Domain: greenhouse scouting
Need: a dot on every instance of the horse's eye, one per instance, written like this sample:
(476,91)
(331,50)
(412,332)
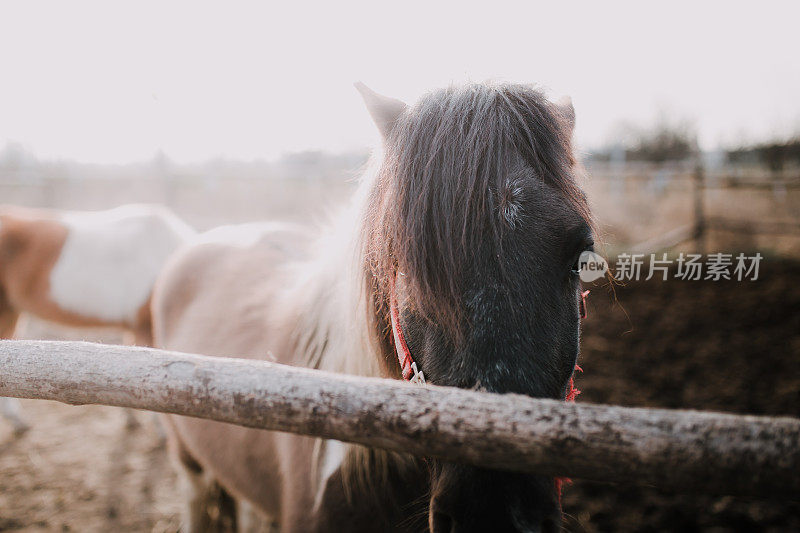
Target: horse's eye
(576,264)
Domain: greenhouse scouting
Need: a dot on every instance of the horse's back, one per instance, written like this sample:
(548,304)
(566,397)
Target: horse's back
(214,295)
(30,244)
(87,268)
(110,259)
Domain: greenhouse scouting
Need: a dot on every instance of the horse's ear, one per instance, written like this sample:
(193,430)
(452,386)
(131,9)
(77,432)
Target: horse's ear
(564,105)
(384,110)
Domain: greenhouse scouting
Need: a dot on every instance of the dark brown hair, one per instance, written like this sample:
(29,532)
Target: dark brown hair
(442,189)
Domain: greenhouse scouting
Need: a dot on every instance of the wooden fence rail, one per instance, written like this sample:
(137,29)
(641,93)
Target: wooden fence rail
(679,450)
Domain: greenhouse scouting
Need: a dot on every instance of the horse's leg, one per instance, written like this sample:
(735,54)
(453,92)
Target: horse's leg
(131,422)
(130,414)
(197,488)
(202,495)
(140,335)
(251,520)
(10,408)
(8,319)
(158,428)
(12,411)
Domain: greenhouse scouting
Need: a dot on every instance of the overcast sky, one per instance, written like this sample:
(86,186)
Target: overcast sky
(98,82)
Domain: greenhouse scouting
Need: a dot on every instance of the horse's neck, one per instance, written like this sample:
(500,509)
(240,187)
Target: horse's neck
(332,331)
(335,336)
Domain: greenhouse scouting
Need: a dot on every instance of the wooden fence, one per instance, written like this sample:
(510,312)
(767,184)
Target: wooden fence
(686,451)
(701,222)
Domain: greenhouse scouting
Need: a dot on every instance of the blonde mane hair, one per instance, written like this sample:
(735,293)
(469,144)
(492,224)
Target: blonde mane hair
(329,297)
(337,327)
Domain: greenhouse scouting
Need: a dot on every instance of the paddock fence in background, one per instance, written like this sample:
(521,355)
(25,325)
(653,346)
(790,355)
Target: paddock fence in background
(653,208)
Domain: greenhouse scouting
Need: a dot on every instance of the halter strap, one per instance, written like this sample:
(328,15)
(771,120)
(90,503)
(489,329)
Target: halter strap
(582,306)
(407,364)
(572,393)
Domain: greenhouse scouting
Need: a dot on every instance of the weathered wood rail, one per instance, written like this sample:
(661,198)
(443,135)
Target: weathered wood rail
(678,450)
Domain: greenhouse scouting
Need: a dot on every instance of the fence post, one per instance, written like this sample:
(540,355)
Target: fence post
(699,210)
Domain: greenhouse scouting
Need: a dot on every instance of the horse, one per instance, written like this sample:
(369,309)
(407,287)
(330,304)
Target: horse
(455,264)
(83,269)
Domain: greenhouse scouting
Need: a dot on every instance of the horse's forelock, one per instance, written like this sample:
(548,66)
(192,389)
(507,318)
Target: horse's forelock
(443,187)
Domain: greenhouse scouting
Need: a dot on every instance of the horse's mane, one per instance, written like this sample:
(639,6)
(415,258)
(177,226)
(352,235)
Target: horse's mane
(335,332)
(452,166)
(329,301)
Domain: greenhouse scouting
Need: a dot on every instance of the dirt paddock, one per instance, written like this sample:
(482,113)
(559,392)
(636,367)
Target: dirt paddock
(727,346)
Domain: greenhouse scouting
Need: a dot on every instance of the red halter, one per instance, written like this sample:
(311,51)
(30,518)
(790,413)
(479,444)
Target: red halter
(582,305)
(407,365)
(572,393)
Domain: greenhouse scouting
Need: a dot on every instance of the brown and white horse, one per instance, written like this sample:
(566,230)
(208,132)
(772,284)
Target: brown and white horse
(83,269)
(461,247)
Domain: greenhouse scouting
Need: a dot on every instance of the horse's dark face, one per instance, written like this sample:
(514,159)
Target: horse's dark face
(521,335)
(478,212)
(519,324)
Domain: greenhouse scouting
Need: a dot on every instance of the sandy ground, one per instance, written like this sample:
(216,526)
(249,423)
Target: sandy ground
(80,469)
